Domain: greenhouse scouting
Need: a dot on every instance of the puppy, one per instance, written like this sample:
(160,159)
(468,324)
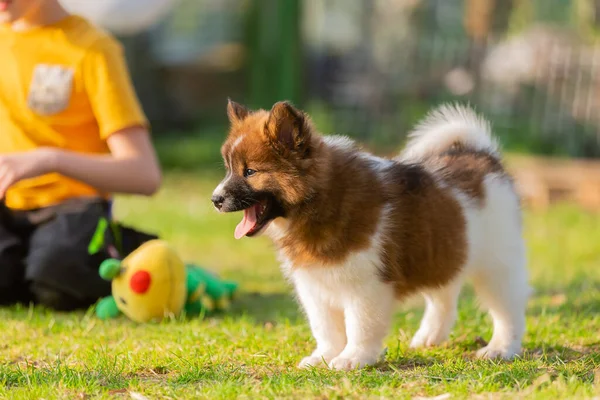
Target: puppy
(356,232)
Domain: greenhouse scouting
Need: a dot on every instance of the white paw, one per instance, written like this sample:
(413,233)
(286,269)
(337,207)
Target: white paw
(419,340)
(426,339)
(342,363)
(311,361)
(491,352)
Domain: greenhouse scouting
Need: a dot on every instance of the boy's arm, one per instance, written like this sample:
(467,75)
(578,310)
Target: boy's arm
(131,167)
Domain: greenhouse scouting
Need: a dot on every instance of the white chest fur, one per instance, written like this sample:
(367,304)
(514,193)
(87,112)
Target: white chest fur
(338,284)
(348,306)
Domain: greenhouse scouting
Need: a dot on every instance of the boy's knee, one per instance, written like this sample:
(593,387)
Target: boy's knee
(55,298)
(45,260)
(62,279)
(48,269)
(58,265)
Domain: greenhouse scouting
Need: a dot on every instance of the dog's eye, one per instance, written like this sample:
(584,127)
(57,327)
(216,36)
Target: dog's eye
(249,172)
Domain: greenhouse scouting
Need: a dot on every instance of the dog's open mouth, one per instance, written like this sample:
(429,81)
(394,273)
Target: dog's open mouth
(255,219)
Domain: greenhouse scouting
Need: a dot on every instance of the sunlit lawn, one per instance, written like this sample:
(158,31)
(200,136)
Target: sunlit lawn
(252,350)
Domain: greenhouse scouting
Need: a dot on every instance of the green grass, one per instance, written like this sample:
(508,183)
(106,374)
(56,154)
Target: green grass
(251,351)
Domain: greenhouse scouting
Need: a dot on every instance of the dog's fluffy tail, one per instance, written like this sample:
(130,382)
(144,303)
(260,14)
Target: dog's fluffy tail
(446,126)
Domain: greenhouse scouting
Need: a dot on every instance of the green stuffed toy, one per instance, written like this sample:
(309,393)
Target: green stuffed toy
(206,291)
(152,283)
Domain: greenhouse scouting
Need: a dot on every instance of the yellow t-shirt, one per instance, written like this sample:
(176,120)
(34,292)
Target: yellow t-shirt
(65,85)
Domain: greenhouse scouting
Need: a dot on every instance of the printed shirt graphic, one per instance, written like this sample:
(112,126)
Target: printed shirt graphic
(66,86)
(50,89)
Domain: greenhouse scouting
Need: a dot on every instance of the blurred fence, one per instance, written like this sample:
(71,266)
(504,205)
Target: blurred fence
(372,68)
(540,96)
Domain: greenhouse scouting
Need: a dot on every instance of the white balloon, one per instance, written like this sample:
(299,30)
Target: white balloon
(122,17)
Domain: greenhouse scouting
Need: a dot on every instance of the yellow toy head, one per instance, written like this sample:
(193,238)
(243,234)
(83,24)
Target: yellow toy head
(149,284)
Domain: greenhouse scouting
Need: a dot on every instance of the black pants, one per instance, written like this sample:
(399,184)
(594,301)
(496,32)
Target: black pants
(44,254)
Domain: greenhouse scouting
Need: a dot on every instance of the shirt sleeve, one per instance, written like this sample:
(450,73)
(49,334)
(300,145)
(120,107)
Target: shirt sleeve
(110,90)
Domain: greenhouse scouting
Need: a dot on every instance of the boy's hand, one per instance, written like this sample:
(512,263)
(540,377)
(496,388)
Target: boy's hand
(18,166)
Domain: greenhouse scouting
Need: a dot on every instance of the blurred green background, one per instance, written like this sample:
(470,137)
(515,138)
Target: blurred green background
(371,69)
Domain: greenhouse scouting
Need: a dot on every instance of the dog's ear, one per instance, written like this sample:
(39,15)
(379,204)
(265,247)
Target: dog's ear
(287,128)
(236,112)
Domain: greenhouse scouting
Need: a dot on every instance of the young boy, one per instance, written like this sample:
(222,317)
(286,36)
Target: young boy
(71,133)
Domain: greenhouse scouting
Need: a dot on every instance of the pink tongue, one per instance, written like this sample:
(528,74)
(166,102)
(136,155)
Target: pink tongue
(247,223)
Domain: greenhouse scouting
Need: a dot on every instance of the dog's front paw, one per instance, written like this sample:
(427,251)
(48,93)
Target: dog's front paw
(491,352)
(311,361)
(350,362)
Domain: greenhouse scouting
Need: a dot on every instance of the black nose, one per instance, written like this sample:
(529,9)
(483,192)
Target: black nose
(218,201)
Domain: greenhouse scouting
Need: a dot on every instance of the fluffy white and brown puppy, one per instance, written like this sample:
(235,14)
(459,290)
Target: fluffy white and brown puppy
(355,232)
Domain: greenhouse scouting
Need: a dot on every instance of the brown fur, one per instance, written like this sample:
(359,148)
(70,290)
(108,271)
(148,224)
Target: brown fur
(333,197)
(340,218)
(278,171)
(465,169)
(426,243)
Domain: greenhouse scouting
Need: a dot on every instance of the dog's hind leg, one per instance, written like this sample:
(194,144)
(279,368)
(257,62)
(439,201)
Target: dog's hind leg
(501,282)
(440,315)
(504,294)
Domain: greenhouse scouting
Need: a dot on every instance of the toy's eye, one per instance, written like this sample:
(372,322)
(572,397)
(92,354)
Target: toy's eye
(122,300)
(140,282)
(249,172)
